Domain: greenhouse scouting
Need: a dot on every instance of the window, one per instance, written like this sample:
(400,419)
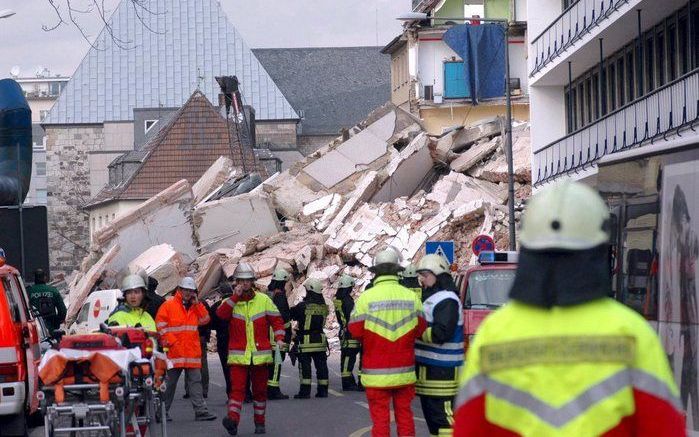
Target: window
(595,96)
(83,314)
(588,100)
(148,125)
(648,60)
(660,58)
(41,196)
(41,169)
(43,114)
(630,76)
(672,51)
(621,100)
(14,298)
(683,40)
(612,86)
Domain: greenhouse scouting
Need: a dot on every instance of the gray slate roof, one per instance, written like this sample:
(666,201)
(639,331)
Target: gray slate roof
(161,67)
(335,87)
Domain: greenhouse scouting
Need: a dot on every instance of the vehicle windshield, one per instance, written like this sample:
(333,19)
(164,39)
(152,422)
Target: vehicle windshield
(489,288)
(83,314)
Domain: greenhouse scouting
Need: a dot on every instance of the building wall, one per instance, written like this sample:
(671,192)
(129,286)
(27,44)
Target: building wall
(118,139)
(37,187)
(68,175)
(39,107)
(308,144)
(548,117)
(104,214)
(400,77)
(436,120)
(276,132)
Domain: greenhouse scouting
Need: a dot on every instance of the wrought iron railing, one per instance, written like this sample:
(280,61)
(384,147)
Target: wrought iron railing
(574,23)
(667,110)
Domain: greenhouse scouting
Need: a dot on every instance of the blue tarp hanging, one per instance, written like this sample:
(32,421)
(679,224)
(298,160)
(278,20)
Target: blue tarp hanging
(482,47)
(15,137)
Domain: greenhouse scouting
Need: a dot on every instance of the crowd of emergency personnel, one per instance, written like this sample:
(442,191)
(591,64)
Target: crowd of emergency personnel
(561,358)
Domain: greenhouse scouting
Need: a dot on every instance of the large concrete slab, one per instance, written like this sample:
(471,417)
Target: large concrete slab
(214,177)
(84,285)
(331,169)
(406,178)
(164,264)
(223,223)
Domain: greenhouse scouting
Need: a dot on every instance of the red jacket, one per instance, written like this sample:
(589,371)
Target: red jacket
(179,331)
(251,314)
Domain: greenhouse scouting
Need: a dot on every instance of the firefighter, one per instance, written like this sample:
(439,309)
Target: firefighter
(408,279)
(561,358)
(387,319)
(349,347)
(313,345)
(278,289)
(439,353)
(178,322)
(132,311)
(250,314)
(153,299)
(47,301)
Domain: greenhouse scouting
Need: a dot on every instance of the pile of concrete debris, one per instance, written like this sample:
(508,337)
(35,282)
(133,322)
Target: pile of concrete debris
(384,182)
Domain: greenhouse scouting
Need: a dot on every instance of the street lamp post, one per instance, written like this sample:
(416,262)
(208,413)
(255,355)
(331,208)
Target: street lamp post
(420,16)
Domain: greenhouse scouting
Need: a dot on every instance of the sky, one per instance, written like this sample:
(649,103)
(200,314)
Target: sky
(263,24)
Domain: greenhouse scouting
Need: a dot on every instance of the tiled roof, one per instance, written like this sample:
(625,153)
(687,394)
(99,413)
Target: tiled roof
(335,87)
(180,46)
(184,149)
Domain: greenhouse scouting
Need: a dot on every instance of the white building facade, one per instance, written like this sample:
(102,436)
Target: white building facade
(614,93)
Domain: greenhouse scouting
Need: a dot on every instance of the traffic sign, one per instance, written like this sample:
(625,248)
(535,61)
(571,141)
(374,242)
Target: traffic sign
(443,248)
(482,243)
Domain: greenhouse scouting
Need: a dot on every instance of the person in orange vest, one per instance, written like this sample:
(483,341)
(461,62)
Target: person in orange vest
(250,314)
(178,322)
(387,319)
(561,358)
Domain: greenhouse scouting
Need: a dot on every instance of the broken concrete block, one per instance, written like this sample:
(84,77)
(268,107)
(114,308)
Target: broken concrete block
(164,218)
(223,223)
(303,258)
(264,267)
(364,190)
(209,274)
(262,283)
(163,263)
(214,177)
(330,212)
(477,153)
(318,205)
(406,171)
(87,281)
(229,268)
(463,138)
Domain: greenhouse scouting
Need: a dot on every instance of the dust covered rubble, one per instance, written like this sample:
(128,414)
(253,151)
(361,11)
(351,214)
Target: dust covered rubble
(385,182)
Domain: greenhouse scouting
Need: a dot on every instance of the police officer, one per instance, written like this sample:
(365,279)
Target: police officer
(408,279)
(47,301)
(313,345)
(132,311)
(561,358)
(439,353)
(278,289)
(349,347)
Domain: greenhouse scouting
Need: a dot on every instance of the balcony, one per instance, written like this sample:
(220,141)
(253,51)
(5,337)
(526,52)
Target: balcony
(662,113)
(579,19)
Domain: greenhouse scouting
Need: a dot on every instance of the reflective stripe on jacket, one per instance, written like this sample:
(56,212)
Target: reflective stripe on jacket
(132,317)
(447,354)
(343,311)
(250,320)
(592,369)
(387,319)
(179,331)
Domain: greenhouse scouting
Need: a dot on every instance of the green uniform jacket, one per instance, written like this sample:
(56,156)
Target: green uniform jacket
(49,303)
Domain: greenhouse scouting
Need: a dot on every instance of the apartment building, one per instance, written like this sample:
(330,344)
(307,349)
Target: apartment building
(614,90)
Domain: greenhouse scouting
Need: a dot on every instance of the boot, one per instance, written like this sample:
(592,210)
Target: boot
(204,417)
(274,394)
(260,429)
(304,392)
(230,426)
(348,384)
(322,391)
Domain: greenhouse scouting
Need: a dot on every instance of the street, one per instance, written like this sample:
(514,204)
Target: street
(340,415)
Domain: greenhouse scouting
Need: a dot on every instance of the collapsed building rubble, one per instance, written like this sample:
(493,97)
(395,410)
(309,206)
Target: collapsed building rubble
(386,182)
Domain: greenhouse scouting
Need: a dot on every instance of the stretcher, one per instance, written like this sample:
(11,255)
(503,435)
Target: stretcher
(109,383)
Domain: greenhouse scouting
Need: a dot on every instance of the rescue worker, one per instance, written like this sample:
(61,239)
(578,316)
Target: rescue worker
(47,301)
(313,345)
(153,299)
(387,319)
(178,322)
(221,328)
(561,358)
(278,289)
(408,279)
(204,337)
(250,314)
(439,353)
(132,311)
(349,347)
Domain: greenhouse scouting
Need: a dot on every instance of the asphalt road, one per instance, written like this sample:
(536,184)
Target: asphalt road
(339,415)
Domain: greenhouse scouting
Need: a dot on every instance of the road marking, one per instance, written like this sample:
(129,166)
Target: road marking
(334,393)
(216,384)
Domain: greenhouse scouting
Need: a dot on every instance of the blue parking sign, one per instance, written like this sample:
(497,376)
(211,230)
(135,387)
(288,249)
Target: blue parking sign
(444,248)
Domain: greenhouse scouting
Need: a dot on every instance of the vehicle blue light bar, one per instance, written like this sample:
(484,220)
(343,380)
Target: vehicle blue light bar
(490,257)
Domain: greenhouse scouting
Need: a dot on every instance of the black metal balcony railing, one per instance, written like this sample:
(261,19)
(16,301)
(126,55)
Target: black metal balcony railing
(575,22)
(668,109)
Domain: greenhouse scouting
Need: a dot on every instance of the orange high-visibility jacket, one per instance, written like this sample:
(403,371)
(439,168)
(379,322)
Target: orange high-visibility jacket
(178,329)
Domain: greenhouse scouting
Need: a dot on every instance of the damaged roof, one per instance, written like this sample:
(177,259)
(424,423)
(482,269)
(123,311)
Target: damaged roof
(155,56)
(332,87)
(185,148)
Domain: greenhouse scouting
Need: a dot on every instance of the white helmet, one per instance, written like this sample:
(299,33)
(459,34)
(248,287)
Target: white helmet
(388,257)
(436,264)
(132,282)
(410,271)
(314,285)
(244,271)
(188,283)
(568,216)
(281,275)
(346,281)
